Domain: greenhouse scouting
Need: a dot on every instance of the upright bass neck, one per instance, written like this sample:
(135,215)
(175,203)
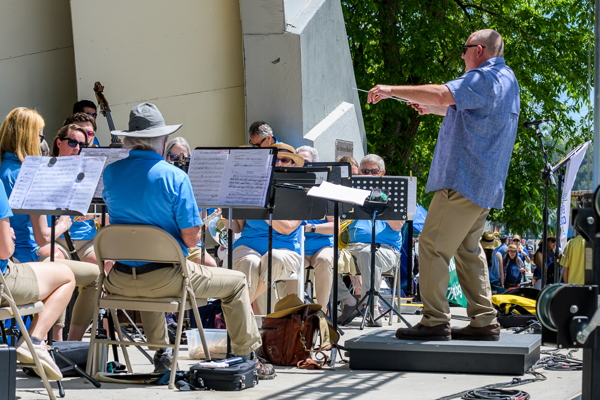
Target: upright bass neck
(105,110)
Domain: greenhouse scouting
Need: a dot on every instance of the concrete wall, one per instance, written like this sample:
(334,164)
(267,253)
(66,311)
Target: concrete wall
(185,56)
(299,76)
(37,67)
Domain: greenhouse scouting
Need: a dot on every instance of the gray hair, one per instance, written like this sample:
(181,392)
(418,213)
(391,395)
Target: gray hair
(313,152)
(144,143)
(373,158)
(260,128)
(180,141)
(492,40)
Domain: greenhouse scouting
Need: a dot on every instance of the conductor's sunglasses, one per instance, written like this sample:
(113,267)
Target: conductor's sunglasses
(74,143)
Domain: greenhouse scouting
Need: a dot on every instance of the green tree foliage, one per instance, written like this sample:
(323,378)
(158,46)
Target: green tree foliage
(548,44)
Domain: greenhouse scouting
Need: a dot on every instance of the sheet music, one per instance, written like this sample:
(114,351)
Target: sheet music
(111,154)
(206,172)
(230,177)
(52,183)
(341,193)
(27,172)
(56,183)
(81,197)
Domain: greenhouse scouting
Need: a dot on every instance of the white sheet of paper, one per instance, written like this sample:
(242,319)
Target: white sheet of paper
(330,191)
(52,184)
(236,177)
(112,154)
(84,189)
(19,193)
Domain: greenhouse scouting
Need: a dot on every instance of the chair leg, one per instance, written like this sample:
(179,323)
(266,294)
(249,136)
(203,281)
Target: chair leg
(200,328)
(113,314)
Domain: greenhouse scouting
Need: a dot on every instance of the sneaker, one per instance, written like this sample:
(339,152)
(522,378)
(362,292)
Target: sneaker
(163,360)
(348,314)
(264,370)
(52,370)
(378,323)
(421,332)
(485,333)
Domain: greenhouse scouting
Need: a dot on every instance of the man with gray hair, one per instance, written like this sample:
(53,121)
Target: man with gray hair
(310,154)
(145,189)
(261,135)
(468,175)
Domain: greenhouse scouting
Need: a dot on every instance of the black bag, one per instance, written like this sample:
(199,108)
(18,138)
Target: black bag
(75,351)
(235,377)
(8,366)
(211,315)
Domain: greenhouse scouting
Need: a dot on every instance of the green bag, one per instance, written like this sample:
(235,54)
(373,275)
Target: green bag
(455,294)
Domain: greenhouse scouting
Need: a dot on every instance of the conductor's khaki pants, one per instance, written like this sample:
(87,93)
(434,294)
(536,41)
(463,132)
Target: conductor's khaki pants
(453,227)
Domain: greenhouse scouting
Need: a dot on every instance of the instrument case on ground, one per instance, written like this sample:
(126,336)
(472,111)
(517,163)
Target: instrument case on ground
(8,377)
(236,377)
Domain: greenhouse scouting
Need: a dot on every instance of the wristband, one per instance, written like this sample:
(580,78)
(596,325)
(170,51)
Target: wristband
(313,228)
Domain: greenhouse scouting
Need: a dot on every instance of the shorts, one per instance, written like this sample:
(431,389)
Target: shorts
(22,283)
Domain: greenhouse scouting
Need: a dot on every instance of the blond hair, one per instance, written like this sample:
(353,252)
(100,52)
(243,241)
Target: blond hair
(19,133)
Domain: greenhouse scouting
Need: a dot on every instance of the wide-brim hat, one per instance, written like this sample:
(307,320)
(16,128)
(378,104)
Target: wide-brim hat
(290,304)
(512,247)
(488,240)
(146,121)
(288,151)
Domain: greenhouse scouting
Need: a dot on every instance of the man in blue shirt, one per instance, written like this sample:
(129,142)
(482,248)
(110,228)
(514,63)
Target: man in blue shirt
(468,175)
(145,189)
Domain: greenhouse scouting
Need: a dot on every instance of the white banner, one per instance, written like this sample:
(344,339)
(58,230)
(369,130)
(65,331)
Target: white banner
(565,208)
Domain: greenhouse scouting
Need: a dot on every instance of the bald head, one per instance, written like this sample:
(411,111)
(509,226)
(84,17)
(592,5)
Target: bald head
(491,40)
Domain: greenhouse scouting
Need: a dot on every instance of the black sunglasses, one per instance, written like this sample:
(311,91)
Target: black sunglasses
(92,114)
(74,143)
(257,144)
(466,47)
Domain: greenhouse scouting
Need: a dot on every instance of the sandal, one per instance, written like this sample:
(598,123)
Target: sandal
(264,371)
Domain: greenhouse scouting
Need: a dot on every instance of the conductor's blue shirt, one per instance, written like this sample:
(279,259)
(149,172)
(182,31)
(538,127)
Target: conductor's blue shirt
(360,231)
(25,245)
(256,233)
(477,135)
(5,212)
(145,189)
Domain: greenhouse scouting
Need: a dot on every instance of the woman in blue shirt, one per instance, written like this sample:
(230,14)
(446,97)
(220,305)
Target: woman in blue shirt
(51,283)
(20,134)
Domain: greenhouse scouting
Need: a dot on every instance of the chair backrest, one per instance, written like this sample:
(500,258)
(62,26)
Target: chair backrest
(137,243)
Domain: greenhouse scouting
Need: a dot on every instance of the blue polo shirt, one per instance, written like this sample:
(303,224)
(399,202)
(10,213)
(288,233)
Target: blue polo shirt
(145,189)
(25,245)
(313,242)
(360,232)
(5,212)
(477,135)
(256,236)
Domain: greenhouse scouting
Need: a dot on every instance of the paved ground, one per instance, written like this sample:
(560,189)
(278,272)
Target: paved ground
(336,383)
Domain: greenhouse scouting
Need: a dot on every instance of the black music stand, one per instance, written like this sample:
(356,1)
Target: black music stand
(396,208)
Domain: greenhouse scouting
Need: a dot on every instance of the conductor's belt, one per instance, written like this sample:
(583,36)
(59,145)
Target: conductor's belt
(142,269)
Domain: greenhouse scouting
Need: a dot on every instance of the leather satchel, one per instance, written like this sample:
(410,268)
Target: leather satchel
(288,340)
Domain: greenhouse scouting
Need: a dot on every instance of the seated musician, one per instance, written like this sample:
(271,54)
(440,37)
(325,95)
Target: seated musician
(318,253)
(88,123)
(261,135)
(51,283)
(19,137)
(86,107)
(310,154)
(250,250)
(387,237)
(353,164)
(178,151)
(144,189)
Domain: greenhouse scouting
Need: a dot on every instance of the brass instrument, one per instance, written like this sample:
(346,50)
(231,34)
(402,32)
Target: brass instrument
(344,236)
(216,227)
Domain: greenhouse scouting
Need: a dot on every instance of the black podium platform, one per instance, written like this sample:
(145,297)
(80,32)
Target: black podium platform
(380,350)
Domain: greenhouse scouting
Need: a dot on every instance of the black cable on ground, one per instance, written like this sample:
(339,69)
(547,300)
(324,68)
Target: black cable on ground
(554,361)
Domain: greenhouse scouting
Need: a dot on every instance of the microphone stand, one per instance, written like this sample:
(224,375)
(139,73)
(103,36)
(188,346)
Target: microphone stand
(548,178)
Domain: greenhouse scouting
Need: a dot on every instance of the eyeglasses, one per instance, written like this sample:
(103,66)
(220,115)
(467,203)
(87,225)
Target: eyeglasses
(370,171)
(90,133)
(257,144)
(466,47)
(93,114)
(176,157)
(42,138)
(74,143)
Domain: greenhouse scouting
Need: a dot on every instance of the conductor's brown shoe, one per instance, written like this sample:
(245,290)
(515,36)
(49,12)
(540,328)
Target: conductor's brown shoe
(422,332)
(489,333)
